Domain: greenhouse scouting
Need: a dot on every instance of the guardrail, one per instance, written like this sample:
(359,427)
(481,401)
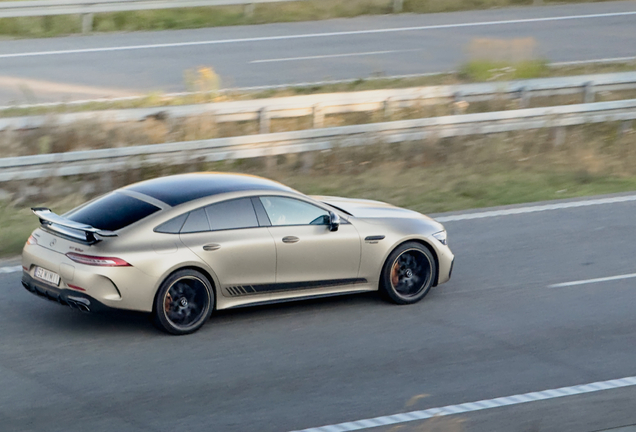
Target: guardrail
(108,160)
(319,105)
(86,8)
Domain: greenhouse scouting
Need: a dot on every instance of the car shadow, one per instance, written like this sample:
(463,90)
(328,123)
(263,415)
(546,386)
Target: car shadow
(64,319)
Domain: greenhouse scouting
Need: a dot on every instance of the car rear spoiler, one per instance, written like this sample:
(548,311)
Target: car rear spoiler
(69,228)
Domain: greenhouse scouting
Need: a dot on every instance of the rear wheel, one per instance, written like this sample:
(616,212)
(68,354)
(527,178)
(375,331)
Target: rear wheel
(408,273)
(183,303)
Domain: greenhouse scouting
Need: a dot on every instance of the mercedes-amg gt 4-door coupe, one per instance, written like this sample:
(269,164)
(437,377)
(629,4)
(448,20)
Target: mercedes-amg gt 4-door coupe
(183,246)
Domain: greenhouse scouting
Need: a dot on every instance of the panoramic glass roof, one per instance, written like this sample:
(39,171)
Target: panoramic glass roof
(178,189)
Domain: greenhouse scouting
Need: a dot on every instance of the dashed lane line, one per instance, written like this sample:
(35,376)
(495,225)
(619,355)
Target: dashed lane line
(12,269)
(481,405)
(325,56)
(536,209)
(592,281)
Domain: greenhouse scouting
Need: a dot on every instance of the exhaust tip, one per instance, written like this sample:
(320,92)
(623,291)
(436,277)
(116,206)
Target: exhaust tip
(79,303)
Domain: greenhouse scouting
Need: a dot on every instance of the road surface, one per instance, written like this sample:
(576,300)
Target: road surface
(499,328)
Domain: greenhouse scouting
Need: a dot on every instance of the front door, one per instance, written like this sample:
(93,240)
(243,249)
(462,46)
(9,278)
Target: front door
(308,254)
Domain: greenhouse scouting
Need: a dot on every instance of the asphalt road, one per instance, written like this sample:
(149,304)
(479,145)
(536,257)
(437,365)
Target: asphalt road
(119,64)
(496,329)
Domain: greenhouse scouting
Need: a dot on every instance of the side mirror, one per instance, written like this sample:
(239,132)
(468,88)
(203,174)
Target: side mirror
(334,221)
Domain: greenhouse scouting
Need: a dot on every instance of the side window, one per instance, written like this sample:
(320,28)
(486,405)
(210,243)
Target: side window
(290,211)
(173,226)
(197,221)
(233,214)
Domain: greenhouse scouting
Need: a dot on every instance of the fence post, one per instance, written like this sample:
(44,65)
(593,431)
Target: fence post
(87,22)
(263,121)
(319,116)
(249,10)
(397,6)
(589,94)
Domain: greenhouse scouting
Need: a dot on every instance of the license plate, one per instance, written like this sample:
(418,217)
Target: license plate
(47,276)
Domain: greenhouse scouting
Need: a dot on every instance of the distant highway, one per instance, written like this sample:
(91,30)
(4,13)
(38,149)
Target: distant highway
(119,64)
(541,298)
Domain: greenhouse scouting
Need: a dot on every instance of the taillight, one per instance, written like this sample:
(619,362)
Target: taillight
(97,260)
(32,240)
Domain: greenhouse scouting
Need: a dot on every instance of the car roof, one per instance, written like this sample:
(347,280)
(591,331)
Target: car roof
(182,188)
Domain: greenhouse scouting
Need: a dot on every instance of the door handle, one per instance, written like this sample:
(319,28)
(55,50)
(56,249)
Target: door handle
(290,239)
(211,247)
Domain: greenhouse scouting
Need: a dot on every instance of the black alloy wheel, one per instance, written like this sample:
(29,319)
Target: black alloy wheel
(184,302)
(408,274)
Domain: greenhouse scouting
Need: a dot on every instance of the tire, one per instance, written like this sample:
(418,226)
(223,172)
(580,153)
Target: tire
(183,303)
(408,273)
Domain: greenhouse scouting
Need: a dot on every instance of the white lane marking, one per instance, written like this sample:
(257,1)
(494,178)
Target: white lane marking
(603,60)
(317,35)
(317,57)
(591,281)
(535,209)
(12,269)
(476,406)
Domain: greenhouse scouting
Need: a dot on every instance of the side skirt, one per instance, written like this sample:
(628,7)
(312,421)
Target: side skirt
(246,290)
(292,299)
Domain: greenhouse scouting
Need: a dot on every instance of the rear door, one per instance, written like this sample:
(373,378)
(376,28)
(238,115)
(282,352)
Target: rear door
(227,236)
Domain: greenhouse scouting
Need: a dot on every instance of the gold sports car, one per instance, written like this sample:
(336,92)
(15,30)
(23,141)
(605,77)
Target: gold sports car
(182,246)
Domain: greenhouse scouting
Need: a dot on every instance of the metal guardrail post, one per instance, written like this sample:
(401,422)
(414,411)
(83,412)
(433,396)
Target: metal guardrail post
(263,121)
(459,105)
(589,93)
(524,97)
(307,160)
(626,127)
(388,108)
(319,116)
(87,22)
(559,136)
(249,10)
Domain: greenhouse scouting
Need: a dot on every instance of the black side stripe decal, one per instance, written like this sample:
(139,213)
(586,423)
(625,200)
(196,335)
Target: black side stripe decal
(291,286)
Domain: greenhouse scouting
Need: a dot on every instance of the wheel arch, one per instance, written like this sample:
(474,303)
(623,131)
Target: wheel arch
(427,245)
(199,269)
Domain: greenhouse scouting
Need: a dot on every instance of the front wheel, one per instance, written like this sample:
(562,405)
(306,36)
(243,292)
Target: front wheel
(184,302)
(408,273)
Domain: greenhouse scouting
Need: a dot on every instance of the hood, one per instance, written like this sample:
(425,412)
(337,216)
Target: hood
(362,208)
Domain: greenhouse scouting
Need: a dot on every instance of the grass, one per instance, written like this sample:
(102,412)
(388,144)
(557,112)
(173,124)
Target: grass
(189,18)
(486,70)
(431,176)
(18,221)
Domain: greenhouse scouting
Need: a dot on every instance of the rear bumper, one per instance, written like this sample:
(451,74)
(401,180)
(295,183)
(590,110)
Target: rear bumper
(65,297)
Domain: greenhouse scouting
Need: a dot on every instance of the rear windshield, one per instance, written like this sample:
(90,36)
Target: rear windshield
(112,212)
